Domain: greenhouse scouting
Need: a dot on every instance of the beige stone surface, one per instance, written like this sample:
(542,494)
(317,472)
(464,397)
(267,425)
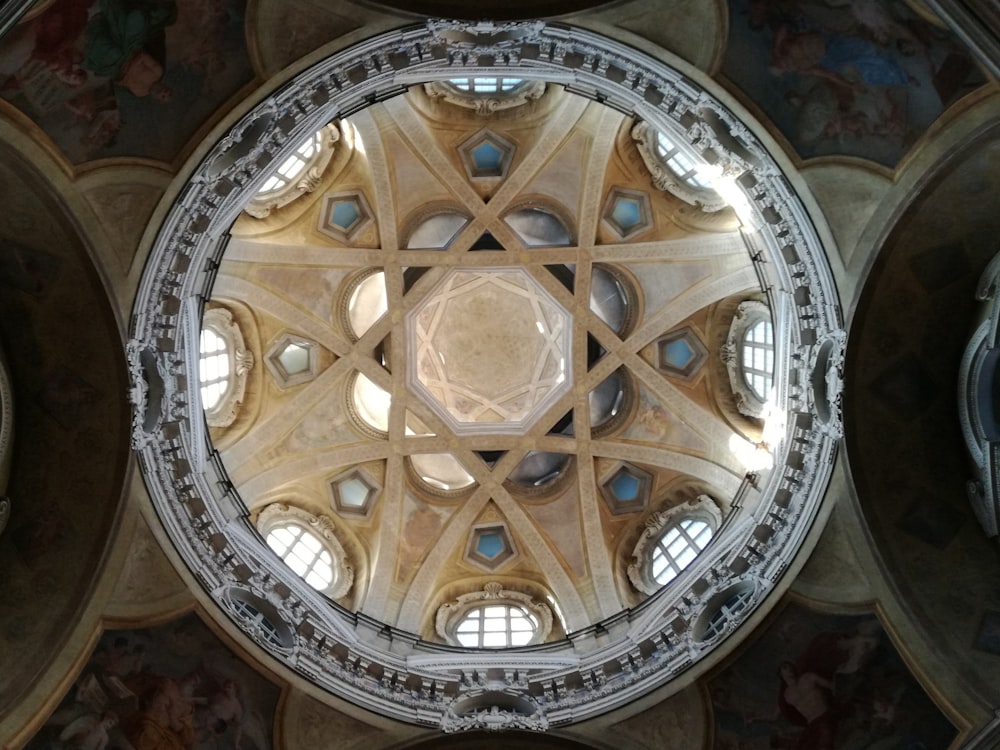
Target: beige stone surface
(849,195)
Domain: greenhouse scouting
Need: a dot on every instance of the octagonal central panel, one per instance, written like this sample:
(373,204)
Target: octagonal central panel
(489,350)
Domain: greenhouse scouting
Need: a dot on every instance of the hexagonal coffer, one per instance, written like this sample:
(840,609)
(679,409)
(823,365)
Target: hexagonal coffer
(489,350)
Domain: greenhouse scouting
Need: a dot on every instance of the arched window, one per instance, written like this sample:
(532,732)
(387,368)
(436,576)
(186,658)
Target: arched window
(494,618)
(725,614)
(486,94)
(671,542)
(223,365)
(364,301)
(677,547)
(298,174)
(259,617)
(749,357)
(292,167)
(679,163)
(496,626)
(308,545)
(303,552)
(538,227)
(437,231)
(758,358)
(369,405)
(266,629)
(485,84)
(674,170)
(213,368)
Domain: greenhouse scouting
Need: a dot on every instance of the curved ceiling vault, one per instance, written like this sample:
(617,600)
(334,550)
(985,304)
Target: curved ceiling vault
(471,355)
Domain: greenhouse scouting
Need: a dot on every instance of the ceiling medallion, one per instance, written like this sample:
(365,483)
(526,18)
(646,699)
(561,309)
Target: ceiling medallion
(567,680)
(489,350)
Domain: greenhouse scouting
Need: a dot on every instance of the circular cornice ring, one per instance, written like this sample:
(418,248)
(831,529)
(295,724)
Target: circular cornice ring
(653,642)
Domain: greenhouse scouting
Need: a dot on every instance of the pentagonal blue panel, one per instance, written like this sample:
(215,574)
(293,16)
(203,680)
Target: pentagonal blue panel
(625,487)
(681,353)
(678,353)
(487,157)
(489,545)
(345,214)
(627,490)
(626,213)
(353,494)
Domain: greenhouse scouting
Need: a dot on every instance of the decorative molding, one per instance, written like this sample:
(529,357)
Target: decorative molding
(262,204)
(702,507)
(485,105)
(341,651)
(481,710)
(277,514)
(449,615)
(976,402)
(11,12)
(241,360)
(748,314)
(665,179)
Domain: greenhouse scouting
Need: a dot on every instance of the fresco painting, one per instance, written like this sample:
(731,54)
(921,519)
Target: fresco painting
(100,77)
(863,78)
(173,686)
(819,681)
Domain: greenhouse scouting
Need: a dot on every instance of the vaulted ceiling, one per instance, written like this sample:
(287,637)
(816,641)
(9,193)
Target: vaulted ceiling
(898,183)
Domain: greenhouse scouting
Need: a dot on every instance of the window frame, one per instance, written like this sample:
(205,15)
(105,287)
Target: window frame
(304,181)
(486,102)
(665,175)
(279,515)
(748,315)
(220,322)
(657,526)
(452,614)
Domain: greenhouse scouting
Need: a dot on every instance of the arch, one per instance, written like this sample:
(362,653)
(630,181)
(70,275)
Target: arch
(224,362)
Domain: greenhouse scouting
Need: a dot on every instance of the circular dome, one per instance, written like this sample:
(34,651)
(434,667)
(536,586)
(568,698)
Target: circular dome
(493,417)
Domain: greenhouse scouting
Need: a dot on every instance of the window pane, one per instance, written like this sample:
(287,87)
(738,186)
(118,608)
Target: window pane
(494,640)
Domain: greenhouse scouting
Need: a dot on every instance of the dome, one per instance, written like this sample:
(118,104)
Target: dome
(550,434)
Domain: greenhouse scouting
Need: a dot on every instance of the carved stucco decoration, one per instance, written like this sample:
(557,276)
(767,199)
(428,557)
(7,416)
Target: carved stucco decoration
(450,614)
(702,507)
(748,314)
(261,205)
(481,710)
(486,104)
(241,360)
(199,508)
(277,514)
(664,178)
(976,402)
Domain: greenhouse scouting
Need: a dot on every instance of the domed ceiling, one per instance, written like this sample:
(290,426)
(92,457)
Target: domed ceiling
(487,363)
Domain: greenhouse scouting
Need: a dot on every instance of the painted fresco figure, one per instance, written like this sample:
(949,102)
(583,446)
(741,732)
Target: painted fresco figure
(125,42)
(57,33)
(834,57)
(88,732)
(221,711)
(805,700)
(167,722)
